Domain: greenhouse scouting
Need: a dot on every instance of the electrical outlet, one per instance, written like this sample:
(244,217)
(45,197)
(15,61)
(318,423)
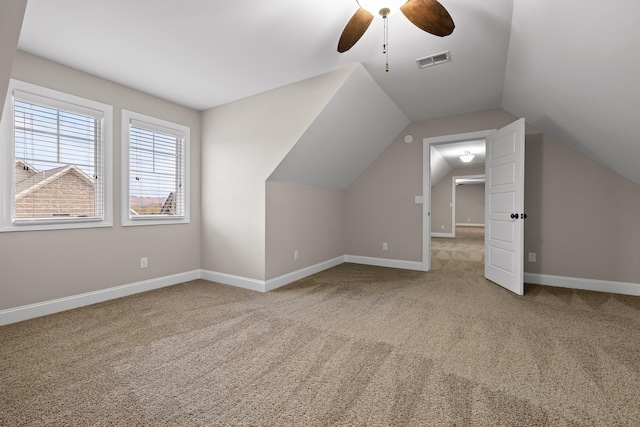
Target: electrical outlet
(385,246)
(442,227)
(295,255)
(532,257)
(144,262)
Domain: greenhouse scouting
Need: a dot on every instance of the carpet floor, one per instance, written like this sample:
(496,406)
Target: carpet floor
(351,346)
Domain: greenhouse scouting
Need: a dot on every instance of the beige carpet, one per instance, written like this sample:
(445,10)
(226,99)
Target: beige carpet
(462,255)
(354,345)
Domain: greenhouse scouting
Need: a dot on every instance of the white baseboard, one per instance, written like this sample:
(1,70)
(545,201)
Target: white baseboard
(25,312)
(231,280)
(384,262)
(285,279)
(18,314)
(271,284)
(624,288)
(277,282)
(533,278)
(451,235)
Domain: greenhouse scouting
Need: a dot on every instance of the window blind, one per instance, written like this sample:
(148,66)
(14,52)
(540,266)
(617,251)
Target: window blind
(155,172)
(58,160)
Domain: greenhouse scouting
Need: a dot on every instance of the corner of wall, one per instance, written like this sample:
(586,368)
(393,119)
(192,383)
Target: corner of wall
(242,144)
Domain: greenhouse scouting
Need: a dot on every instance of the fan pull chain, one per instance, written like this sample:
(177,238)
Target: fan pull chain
(384,35)
(385,47)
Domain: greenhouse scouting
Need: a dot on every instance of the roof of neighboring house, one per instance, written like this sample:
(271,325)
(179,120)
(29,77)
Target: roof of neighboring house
(27,166)
(169,206)
(41,179)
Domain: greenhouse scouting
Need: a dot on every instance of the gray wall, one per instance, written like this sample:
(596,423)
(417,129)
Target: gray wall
(321,132)
(580,214)
(380,204)
(44,265)
(305,218)
(470,204)
(243,143)
(441,194)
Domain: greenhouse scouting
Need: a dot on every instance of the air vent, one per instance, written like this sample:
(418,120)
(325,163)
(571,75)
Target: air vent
(436,59)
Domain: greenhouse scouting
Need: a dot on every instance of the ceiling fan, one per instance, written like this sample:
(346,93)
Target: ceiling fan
(428,15)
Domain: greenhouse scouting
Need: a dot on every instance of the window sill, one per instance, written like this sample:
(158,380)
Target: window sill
(38,225)
(156,220)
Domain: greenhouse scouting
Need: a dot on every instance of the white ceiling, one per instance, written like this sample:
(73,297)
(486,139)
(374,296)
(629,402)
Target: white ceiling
(570,71)
(451,152)
(445,157)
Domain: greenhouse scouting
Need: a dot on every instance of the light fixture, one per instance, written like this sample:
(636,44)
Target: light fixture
(467,157)
(381,8)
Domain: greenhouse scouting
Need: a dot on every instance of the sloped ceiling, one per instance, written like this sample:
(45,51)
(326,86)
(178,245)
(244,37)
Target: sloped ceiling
(573,71)
(569,68)
(446,157)
(352,130)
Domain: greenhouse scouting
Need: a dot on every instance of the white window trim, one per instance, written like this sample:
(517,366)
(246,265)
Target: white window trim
(162,125)
(7,161)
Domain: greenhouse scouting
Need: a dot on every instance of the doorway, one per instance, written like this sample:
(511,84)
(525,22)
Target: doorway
(457,204)
(439,171)
(504,202)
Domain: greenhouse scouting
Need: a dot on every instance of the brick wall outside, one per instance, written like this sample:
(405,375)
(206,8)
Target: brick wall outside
(69,195)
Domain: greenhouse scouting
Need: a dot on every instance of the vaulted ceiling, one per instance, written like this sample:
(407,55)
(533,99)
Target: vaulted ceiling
(570,68)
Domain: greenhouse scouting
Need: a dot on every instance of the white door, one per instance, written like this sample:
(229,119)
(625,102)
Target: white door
(504,207)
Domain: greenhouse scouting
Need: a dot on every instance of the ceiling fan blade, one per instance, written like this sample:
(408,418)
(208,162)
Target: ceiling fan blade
(429,16)
(354,29)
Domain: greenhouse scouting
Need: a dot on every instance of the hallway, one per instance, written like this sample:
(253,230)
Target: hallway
(463,255)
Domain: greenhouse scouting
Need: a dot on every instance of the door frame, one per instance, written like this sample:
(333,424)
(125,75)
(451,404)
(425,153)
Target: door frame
(426,184)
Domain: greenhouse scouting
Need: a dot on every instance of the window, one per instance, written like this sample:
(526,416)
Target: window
(56,158)
(155,160)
